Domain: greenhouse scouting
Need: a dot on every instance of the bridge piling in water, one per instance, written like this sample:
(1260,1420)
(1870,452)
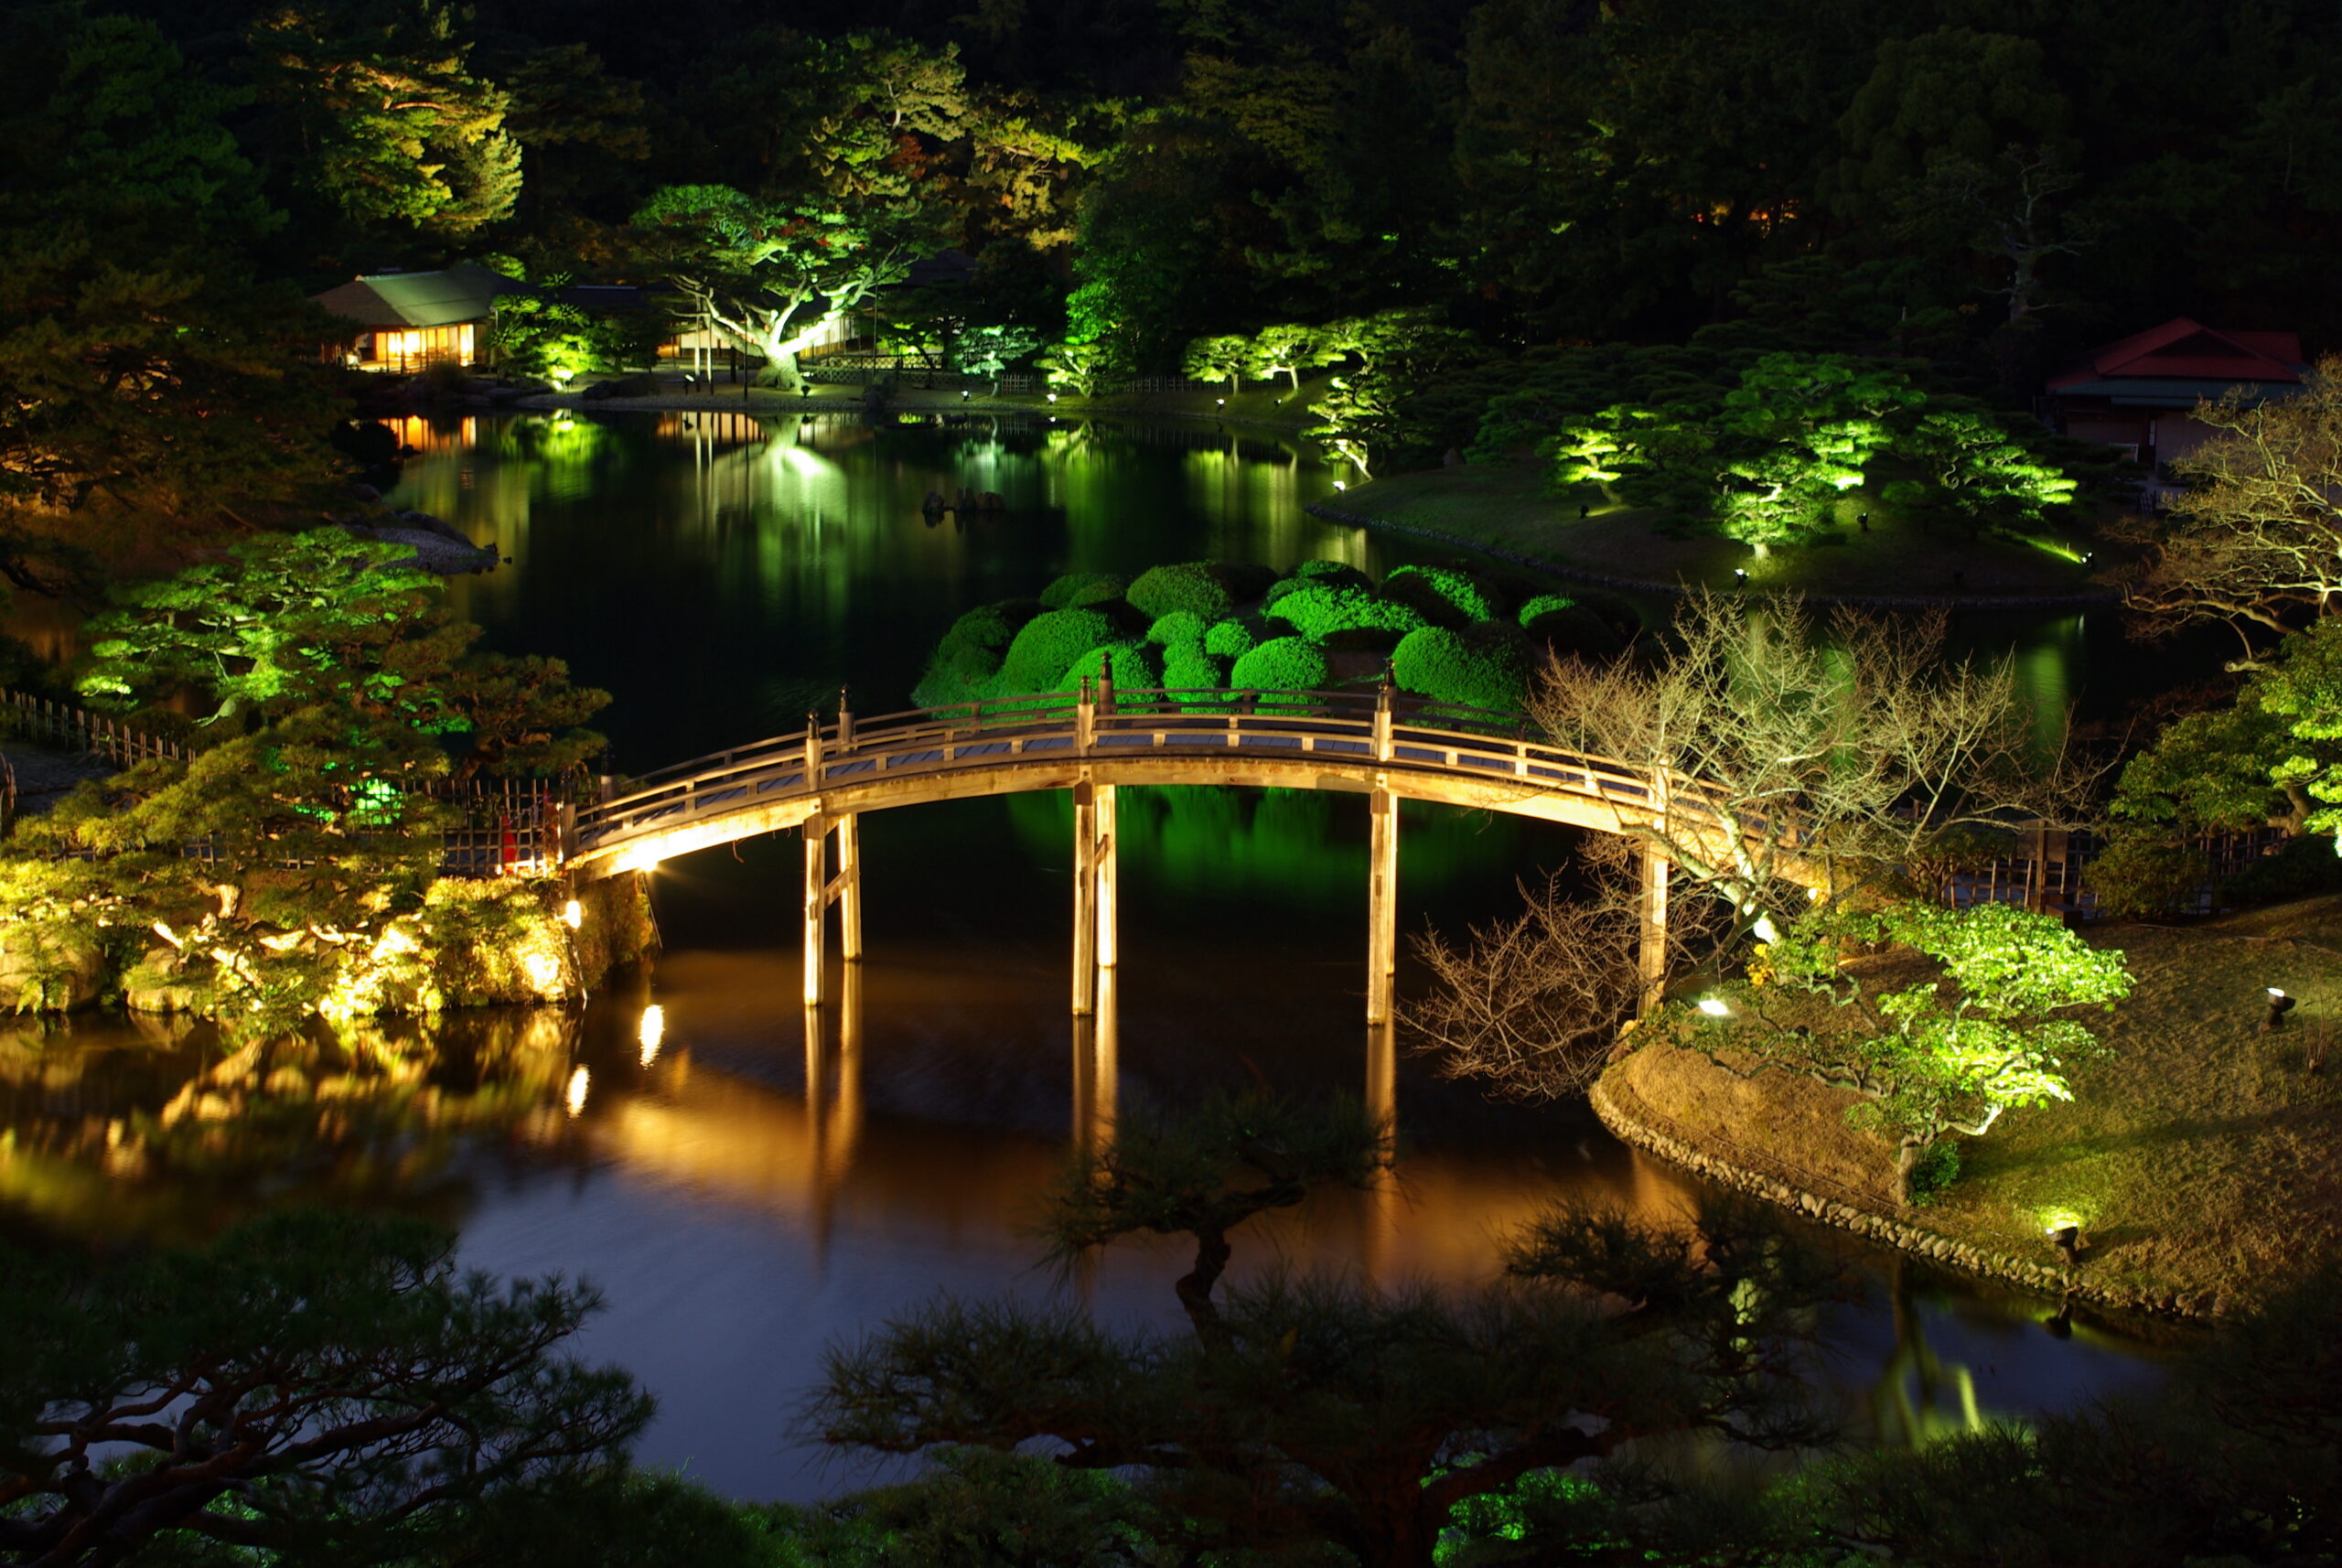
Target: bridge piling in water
(1383,875)
(822,889)
(1095,947)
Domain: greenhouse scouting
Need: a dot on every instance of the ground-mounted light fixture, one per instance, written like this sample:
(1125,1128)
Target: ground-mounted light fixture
(573,915)
(1740,577)
(2068,1240)
(1053,397)
(2279,1005)
(1714,1008)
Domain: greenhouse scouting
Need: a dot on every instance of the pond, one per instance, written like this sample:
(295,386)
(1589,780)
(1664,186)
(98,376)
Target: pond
(755,1182)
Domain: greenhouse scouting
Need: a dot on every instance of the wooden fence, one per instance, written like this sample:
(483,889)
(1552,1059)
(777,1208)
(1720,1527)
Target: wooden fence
(509,826)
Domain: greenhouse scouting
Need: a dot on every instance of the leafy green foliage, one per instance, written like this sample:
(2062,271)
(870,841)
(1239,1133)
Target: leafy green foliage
(392,124)
(1486,666)
(1229,638)
(1195,586)
(1188,668)
(1466,595)
(1132,666)
(342,1392)
(1320,611)
(1177,629)
(1983,1033)
(1279,664)
(1046,646)
(1077,588)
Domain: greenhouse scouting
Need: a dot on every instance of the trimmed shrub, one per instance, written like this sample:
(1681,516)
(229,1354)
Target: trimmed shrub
(1076,589)
(1229,638)
(1317,573)
(1193,585)
(1280,664)
(1321,611)
(1188,668)
(1177,629)
(1428,588)
(1132,665)
(1047,647)
(1486,667)
(1535,609)
(970,654)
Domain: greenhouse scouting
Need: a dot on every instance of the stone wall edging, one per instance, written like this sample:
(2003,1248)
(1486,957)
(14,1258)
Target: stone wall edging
(1914,1240)
(1639,586)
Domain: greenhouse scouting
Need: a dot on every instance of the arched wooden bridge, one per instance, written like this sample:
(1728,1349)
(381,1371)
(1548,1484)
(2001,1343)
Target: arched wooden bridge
(1383,746)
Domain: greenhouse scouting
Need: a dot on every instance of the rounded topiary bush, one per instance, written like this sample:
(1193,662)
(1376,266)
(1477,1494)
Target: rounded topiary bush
(1321,611)
(1229,638)
(1194,585)
(1317,573)
(1563,625)
(1077,588)
(1046,648)
(1445,595)
(1539,606)
(971,653)
(1176,629)
(1132,665)
(1485,667)
(1246,581)
(1188,668)
(1280,664)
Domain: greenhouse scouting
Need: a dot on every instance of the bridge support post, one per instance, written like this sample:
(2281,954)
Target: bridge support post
(1095,949)
(1382,909)
(816,887)
(849,886)
(1109,896)
(1653,954)
(1085,899)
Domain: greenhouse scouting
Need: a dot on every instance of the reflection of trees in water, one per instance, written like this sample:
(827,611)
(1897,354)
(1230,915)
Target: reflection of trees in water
(1919,1398)
(179,1134)
(1287,843)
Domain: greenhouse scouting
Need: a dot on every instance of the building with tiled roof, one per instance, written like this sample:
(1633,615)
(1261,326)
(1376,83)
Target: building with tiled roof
(2139,393)
(403,321)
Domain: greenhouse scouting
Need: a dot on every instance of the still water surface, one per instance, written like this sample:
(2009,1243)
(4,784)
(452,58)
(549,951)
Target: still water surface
(762,1183)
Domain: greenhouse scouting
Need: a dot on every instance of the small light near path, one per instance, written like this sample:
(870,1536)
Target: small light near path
(573,914)
(1714,1008)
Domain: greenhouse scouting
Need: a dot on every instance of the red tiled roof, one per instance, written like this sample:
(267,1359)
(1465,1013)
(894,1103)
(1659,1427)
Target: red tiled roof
(2185,349)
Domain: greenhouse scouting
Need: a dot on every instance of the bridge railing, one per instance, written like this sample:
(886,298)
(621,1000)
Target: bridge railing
(1054,725)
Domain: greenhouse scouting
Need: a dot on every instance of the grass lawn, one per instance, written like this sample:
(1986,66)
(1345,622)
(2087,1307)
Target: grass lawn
(1507,508)
(2201,1157)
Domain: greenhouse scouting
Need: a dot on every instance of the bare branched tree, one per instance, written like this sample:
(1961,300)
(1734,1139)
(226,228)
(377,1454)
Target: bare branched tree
(1791,765)
(2257,542)
(1793,761)
(1534,1004)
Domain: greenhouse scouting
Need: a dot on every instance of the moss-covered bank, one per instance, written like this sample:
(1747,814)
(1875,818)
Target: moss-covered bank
(2202,1157)
(1504,511)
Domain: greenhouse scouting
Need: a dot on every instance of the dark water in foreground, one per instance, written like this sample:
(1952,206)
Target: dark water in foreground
(760,1185)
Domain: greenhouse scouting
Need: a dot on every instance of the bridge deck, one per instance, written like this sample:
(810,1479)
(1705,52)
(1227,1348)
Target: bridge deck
(1307,740)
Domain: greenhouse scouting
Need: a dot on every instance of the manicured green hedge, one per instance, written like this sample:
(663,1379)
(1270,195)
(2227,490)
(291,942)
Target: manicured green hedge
(1132,665)
(1229,638)
(1047,646)
(1188,668)
(1317,573)
(1176,629)
(1483,667)
(1077,588)
(1321,611)
(1280,664)
(1536,608)
(1466,597)
(1195,586)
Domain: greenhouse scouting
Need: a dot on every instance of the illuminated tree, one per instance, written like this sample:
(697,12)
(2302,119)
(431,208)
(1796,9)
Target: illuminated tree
(2257,540)
(147,378)
(1984,1033)
(377,107)
(988,350)
(1085,370)
(1287,351)
(1982,472)
(769,276)
(1218,359)
(1294,1411)
(323,1386)
(1598,451)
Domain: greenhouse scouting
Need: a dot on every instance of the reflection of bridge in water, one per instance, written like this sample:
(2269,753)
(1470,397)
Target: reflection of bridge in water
(1380,745)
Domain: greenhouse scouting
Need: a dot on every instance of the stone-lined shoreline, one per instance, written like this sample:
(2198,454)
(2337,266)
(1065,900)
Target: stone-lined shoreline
(2096,600)
(1634,1121)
